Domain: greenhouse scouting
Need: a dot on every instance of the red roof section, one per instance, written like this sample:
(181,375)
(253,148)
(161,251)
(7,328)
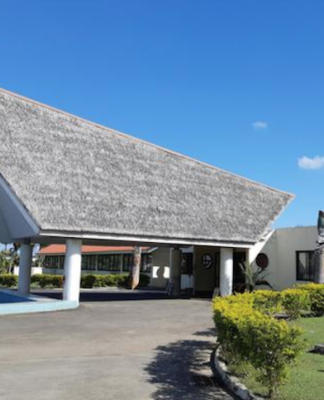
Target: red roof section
(61,248)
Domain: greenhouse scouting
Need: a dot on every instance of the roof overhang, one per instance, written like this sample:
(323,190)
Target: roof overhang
(123,240)
(15,222)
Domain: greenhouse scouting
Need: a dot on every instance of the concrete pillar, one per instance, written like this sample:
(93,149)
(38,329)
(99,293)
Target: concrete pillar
(226,271)
(25,265)
(175,271)
(72,270)
(250,256)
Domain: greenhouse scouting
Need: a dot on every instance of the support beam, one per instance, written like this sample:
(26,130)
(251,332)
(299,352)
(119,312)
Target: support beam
(226,271)
(72,270)
(25,265)
(175,271)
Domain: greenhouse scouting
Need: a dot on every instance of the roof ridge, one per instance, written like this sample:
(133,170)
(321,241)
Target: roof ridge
(116,132)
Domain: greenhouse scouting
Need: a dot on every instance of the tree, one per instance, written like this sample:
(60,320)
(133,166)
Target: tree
(4,261)
(135,270)
(14,256)
(253,277)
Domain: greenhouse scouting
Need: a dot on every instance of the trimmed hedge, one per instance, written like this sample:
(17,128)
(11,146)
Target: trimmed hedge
(47,280)
(248,336)
(295,302)
(316,295)
(8,280)
(121,280)
(87,281)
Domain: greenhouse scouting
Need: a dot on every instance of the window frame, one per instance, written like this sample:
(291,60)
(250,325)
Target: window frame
(311,266)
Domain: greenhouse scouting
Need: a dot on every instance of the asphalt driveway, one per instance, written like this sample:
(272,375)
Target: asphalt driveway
(116,350)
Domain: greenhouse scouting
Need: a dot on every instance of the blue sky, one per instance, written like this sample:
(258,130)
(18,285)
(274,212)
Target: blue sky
(237,84)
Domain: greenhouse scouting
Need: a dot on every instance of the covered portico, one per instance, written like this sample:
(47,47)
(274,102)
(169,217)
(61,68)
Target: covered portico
(67,180)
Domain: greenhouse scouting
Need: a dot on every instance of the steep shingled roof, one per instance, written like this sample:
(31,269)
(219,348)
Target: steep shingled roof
(75,176)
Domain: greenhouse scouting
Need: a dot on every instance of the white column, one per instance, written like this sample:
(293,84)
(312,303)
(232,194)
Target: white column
(25,265)
(175,271)
(72,270)
(250,256)
(226,271)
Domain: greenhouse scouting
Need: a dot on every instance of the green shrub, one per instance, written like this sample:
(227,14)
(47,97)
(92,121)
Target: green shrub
(267,301)
(120,280)
(258,339)
(47,280)
(8,280)
(316,295)
(295,302)
(88,281)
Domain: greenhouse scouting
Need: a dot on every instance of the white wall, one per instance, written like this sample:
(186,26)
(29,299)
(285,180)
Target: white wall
(34,270)
(281,250)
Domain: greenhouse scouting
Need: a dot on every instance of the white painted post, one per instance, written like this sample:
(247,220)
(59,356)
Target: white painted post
(175,270)
(226,271)
(25,265)
(72,270)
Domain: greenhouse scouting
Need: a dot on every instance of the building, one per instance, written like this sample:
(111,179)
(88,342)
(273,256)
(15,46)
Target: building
(155,262)
(65,180)
(286,256)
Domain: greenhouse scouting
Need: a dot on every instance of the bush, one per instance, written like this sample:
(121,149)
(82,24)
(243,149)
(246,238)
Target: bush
(120,280)
(316,295)
(267,301)
(249,336)
(47,280)
(8,280)
(295,302)
(88,281)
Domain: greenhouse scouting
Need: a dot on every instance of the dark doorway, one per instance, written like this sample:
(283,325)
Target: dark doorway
(238,275)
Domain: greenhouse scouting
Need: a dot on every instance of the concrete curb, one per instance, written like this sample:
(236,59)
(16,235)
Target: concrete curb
(232,384)
(34,304)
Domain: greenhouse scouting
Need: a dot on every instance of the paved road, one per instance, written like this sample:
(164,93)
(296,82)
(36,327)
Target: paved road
(117,350)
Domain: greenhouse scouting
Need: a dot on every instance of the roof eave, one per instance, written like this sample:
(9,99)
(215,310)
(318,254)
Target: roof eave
(45,235)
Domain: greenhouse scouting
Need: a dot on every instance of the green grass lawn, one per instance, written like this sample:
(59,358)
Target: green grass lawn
(306,381)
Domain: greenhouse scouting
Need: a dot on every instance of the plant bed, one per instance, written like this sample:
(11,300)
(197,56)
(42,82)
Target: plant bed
(305,381)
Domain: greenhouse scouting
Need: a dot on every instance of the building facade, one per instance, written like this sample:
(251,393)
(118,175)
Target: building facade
(286,256)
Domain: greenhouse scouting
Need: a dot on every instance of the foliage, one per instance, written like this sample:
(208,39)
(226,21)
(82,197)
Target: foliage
(306,377)
(267,301)
(8,280)
(47,280)
(294,302)
(260,340)
(253,277)
(4,261)
(316,294)
(122,280)
(87,281)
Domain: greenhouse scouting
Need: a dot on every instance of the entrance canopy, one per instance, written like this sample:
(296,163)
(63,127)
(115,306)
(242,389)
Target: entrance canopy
(62,176)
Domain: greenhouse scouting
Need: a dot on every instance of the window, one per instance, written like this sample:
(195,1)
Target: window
(127,262)
(89,262)
(54,262)
(109,262)
(146,262)
(305,265)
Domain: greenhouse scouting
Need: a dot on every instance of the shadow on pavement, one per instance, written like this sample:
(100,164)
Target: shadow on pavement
(211,332)
(181,371)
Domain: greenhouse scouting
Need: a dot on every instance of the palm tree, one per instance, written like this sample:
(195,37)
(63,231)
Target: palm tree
(135,270)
